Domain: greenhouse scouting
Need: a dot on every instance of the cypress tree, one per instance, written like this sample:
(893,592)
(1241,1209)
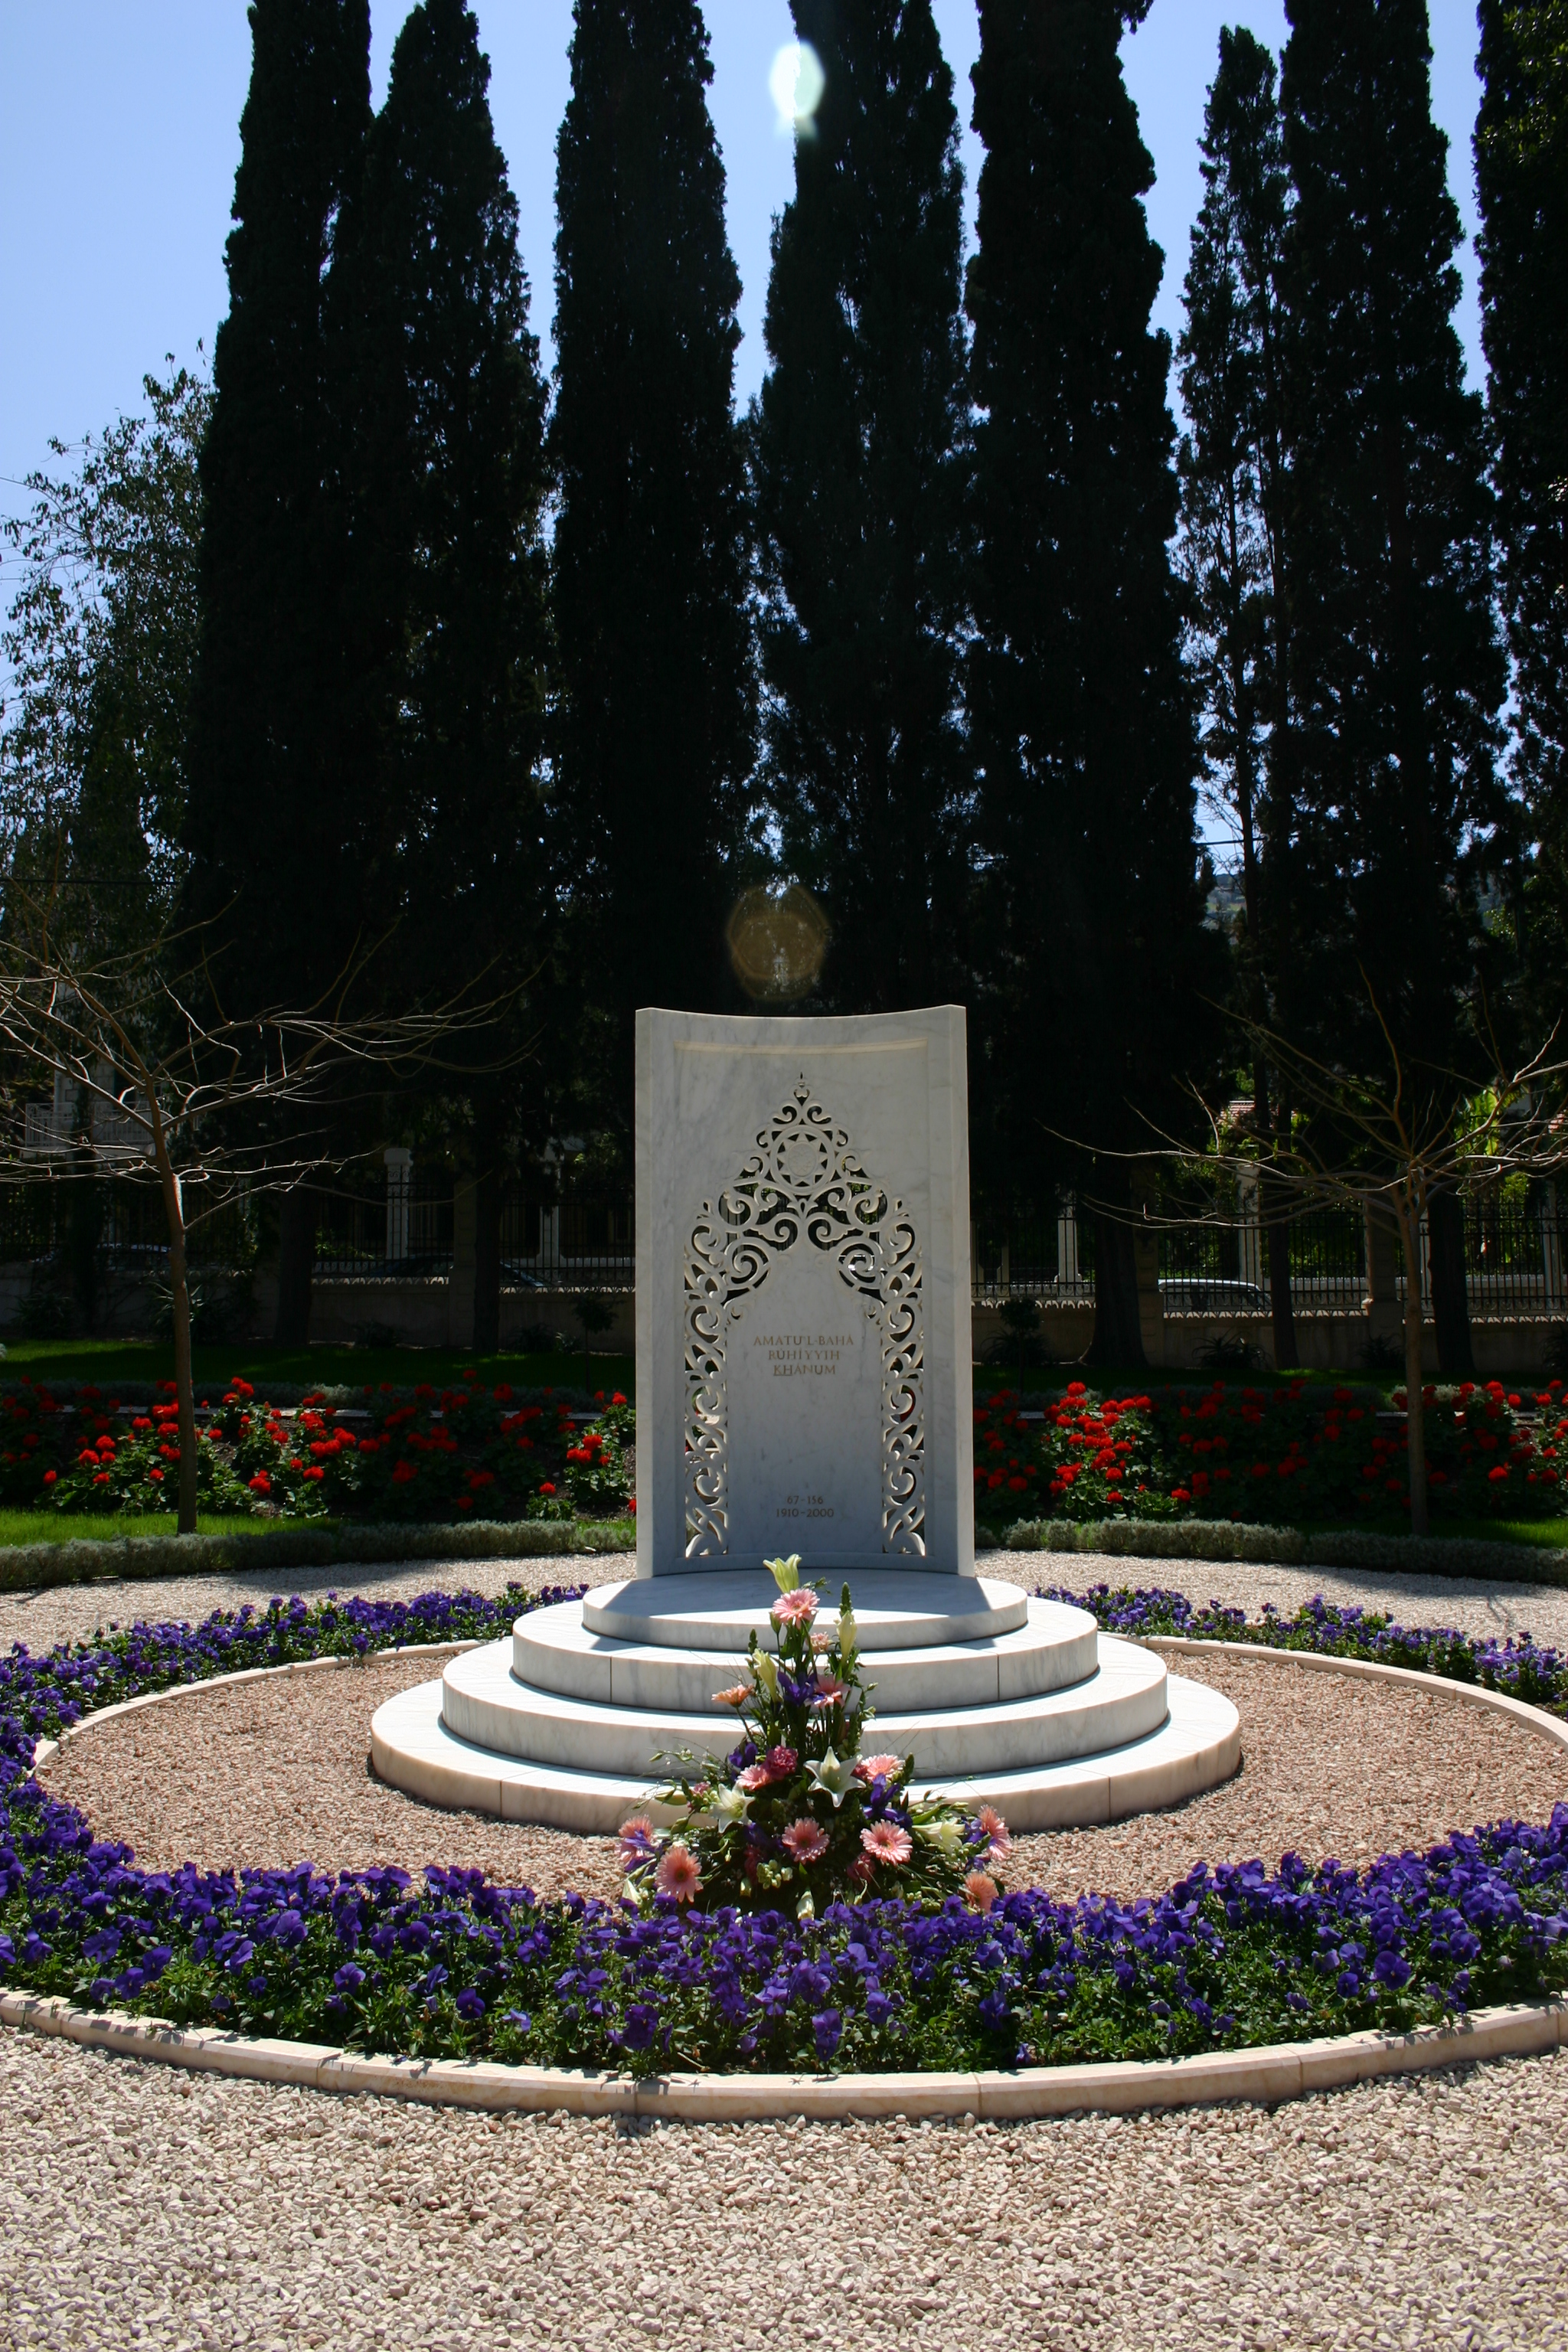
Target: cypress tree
(1400,671)
(1521,171)
(649,582)
(274,865)
(1234,536)
(444,430)
(858,477)
(1081,712)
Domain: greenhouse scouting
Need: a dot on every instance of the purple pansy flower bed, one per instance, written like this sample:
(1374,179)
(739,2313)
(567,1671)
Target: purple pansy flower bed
(1234,1955)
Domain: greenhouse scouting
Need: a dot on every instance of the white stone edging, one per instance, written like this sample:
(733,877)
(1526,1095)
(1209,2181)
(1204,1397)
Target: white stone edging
(1535,1718)
(1125,2086)
(46,1751)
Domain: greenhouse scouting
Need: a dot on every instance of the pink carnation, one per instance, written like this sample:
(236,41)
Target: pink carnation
(754,1776)
(781,1762)
(797,1608)
(678,1874)
(886,1841)
(805,1841)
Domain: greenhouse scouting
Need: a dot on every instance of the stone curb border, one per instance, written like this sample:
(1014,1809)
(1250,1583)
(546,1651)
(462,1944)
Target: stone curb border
(1535,1718)
(46,1751)
(1291,2070)
(1268,2076)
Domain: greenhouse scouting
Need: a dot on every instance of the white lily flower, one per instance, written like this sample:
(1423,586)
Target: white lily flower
(730,1806)
(785,1573)
(946,1837)
(834,1776)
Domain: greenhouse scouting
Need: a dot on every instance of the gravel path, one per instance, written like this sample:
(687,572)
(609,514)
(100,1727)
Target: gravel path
(68,1613)
(275,1771)
(142,2206)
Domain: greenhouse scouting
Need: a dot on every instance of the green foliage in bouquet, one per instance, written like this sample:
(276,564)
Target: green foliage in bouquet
(796,1814)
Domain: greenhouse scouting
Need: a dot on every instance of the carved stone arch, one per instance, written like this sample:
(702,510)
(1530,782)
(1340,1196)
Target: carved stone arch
(804,1182)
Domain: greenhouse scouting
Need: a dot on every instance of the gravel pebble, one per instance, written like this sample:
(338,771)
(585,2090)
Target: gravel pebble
(275,1771)
(1477,1606)
(143,2206)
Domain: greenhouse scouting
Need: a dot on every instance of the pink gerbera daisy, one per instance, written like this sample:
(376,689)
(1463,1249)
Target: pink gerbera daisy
(804,1841)
(886,1768)
(678,1874)
(997,1829)
(797,1608)
(981,1889)
(736,1696)
(886,1841)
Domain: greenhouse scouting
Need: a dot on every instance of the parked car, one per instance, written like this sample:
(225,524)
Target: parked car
(1196,1295)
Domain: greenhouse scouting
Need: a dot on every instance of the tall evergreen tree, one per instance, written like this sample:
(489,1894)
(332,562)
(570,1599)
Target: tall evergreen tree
(1521,170)
(656,699)
(1399,672)
(273,859)
(1233,467)
(1081,711)
(858,464)
(442,409)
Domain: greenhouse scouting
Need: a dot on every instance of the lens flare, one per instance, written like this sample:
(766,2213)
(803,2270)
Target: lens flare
(797,83)
(776,943)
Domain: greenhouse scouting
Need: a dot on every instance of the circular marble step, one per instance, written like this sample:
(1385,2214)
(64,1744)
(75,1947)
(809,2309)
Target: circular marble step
(1053,1646)
(1196,1747)
(485,1704)
(896,1609)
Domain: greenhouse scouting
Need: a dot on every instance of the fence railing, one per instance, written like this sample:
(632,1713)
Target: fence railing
(123,1221)
(1516,1262)
(409,1225)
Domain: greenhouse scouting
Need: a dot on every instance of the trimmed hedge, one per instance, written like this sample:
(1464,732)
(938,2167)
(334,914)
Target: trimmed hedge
(27,1567)
(1233,1540)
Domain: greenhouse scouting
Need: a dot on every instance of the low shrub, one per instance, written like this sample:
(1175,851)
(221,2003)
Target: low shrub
(1255,1453)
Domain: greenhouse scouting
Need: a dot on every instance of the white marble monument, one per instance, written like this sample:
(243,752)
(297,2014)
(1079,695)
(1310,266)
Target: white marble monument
(803,1386)
(802,1293)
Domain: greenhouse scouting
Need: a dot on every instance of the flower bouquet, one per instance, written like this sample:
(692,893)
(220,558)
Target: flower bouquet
(796,1813)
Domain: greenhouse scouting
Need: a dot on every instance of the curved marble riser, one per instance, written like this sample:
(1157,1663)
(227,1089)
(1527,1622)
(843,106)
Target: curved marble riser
(719,1609)
(556,1649)
(1197,1746)
(485,1704)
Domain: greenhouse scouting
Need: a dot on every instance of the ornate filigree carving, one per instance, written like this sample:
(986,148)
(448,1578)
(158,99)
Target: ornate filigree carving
(805,1179)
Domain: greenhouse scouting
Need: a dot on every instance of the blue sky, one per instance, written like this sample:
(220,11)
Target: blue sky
(118,137)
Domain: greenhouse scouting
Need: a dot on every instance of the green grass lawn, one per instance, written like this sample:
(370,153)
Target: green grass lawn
(108,1360)
(103,1527)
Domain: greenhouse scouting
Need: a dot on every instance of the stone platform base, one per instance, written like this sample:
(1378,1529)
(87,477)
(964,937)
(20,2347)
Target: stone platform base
(1000,1698)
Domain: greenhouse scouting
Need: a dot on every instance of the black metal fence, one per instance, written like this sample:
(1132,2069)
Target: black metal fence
(403,1223)
(1514,1258)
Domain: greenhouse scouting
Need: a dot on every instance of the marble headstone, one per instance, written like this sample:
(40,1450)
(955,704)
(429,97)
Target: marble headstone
(802,1293)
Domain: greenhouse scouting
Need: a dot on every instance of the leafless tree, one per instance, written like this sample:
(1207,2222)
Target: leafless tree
(1385,1145)
(161,1085)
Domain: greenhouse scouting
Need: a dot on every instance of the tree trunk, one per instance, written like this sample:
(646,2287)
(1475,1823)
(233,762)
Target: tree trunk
(1287,1356)
(487,1258)
(296,1266)
(1118,1329)
(1415,1402)
(1450,1299)
(184,1392)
